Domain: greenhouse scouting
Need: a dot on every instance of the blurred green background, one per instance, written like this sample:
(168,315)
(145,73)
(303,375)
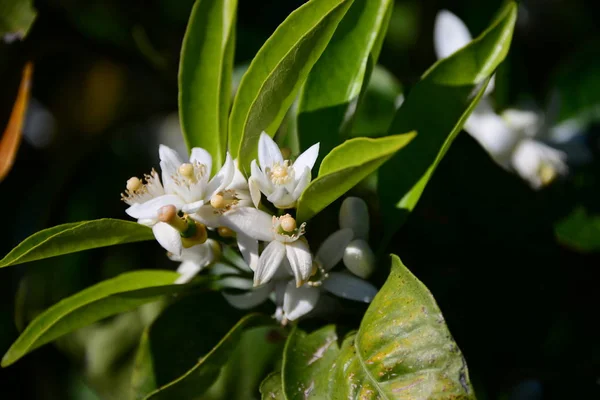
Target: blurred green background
(512,269)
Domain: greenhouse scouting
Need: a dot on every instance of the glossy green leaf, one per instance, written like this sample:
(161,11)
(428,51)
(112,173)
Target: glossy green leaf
(307,360)
(436,108)
(16,17)
(403,349)
(125,292)
(271,388)
(275,75)
(344,167)
(199,378)
(74,237)
(579,231)
(205,76)
(335,82)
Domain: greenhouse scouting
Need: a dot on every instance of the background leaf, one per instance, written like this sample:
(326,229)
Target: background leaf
(436,108)
(271,388)
(579,231)
(205,76)
(335,81)
(16,17)
(76,236)
(344,167)
(110,297)
(275,75)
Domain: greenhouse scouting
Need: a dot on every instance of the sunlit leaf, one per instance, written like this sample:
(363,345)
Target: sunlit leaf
(76,236)
(275,75)
(125,292)
(344,167)
(205,76)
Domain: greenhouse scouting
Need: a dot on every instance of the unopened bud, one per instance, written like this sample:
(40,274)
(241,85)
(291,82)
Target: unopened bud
(133,184)
(354,214)
(288,223)
(359,258)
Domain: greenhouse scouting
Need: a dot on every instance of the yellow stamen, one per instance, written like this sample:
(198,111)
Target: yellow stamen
(186,170)
(218,201)
(133,184)
(225,232)
(547,174)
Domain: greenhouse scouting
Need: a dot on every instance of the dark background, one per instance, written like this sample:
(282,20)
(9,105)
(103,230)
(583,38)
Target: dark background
(521,306)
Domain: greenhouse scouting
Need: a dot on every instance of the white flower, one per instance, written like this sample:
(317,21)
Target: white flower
(511,139)
(278,179)
(186,187)
(284,239)
(194,260)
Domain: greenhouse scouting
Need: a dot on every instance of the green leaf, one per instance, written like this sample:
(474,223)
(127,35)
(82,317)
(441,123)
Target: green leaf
(123,293)
(335,81)
(275,75)
(307,360)
(16,17)
(205,76)
(579,231)
(436,108)
(403,349)
(344,167)
(74,237)
(199,378)
(271,388)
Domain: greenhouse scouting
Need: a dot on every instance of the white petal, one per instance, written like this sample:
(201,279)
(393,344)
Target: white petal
(531,155)
(332,250)
(149,209)
(187,270)
(301,183)
(268,151)
(222,179)
(493,134)
(281,198)
(359,258)
(349,287)
(299,301)
(525,121)
(168,237)
(251,221)
(206,215)
(249,299)
(249,248)
(235,282)
(306,159)
(239,180)
(300,259)
(201,156)
(254,191)
(354,214)
(259,178)
(169,163)
(449,34)
(191,208)
(269,262)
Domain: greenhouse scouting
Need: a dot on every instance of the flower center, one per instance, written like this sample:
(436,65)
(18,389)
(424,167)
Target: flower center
(285,228)
(189,173)
(288,223)
(141,190)
(280,173)
(547,173)
(224,201)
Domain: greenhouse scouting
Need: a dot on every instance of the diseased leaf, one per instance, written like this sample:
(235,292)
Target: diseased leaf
(344,167)
(436,108)
(275,75)
(123,293)
(335,82)
(74,237)
(205,76)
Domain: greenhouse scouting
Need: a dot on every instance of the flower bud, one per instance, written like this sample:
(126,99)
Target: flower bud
(359,258)
(354,215)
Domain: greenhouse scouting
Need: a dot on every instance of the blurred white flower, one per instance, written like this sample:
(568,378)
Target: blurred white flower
(194,259)
(513,139)
(278,179)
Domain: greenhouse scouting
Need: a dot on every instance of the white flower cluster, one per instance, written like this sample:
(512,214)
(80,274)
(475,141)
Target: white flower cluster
(189,203)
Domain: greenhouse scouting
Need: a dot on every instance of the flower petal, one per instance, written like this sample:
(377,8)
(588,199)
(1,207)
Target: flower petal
(238,182)
(191,208)
(249,248)
(332,250)
(249,299)
(222,179)
(301,183)
(149,209)
(254,191)
(306,159)
(354,214)
(268,151)
(493,134)
(299,301)
(359,258)
(168,237)
(526,121)
(349,287)
(250,221)
(281,198)
(202,156)
(207,215)
(169,163)
(449,34)
(300,259)
(269,262)
(187,270)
